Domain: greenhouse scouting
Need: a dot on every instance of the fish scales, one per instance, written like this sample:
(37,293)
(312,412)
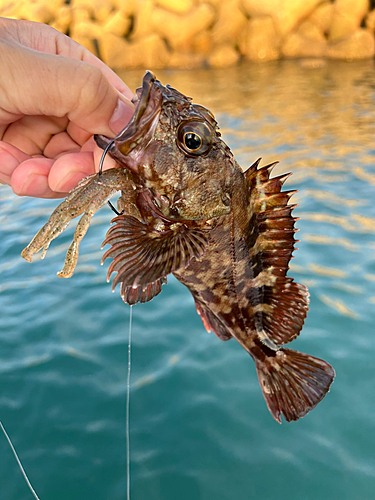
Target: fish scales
(187,208)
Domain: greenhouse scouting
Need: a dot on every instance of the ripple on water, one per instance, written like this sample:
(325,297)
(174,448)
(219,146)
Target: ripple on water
(199,425)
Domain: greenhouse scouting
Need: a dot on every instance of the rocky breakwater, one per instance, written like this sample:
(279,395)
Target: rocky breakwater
(207,33)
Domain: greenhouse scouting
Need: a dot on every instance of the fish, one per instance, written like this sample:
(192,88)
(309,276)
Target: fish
(187,208)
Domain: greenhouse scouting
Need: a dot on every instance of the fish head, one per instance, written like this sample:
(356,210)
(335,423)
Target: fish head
(173,147)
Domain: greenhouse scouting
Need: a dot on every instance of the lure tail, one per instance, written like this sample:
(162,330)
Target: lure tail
(293,383)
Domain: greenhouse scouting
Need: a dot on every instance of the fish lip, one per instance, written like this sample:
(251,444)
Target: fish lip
(139,131)
(133,126)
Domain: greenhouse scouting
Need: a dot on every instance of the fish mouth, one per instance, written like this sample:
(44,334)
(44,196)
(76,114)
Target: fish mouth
(148,106)
(139,131)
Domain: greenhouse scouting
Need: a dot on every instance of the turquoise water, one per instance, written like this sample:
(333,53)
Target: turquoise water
(199,426)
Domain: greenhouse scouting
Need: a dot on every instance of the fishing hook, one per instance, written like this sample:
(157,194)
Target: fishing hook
(101,171)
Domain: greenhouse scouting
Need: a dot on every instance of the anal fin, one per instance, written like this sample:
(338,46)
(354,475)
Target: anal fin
(293,383)
(211,322)
(287,303)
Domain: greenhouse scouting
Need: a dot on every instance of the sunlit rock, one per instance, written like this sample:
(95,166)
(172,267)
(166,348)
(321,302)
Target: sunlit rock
(149,52)
(116,52)
(260,42)
(286,13)
(310,30)
(42,12)
(63,19)
(223,56)
(296,45)
(230,22)
(127,7)
(118,23)
(98,9)
(322,16)
(78,16)
(370,20)
(217,3)
(178,6)
(359,45)
(38,12)
(347,17)
(142,18)
(178,30)
(202,43)
(154,51)
(8,9)
(84,31)
(215,31)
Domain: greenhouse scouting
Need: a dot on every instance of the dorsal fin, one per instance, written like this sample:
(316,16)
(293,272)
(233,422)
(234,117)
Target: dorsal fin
(277,304)
(252,167)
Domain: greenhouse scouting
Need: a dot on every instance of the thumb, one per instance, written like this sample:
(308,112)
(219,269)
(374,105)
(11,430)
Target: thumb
(37,83)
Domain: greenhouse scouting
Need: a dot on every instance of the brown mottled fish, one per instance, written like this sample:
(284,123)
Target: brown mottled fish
(188,209)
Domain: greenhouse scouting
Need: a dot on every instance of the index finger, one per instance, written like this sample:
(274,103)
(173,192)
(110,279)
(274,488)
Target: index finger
(44,38)
(65,46)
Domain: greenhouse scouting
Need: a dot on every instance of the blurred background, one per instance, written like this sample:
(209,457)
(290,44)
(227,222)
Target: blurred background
(207,33)
(199,426)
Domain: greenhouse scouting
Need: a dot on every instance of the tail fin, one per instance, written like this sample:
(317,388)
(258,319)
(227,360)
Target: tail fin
(293,383)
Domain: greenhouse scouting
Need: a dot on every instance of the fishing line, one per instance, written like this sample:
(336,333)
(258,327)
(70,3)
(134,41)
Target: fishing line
(127,411)
(19,463)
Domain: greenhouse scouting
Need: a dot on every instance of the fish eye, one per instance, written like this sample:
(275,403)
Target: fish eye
(194,137)
(192,141)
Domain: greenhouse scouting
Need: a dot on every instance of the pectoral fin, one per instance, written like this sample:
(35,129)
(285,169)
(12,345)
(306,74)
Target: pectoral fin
(141,293)
(142,254)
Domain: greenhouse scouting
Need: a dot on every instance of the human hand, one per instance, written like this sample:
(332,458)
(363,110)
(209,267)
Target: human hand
(54,95)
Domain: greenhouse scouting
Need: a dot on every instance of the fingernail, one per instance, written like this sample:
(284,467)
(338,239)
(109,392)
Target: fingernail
(120,117)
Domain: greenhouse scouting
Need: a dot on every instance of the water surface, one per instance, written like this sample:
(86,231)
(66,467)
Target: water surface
(199,426)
